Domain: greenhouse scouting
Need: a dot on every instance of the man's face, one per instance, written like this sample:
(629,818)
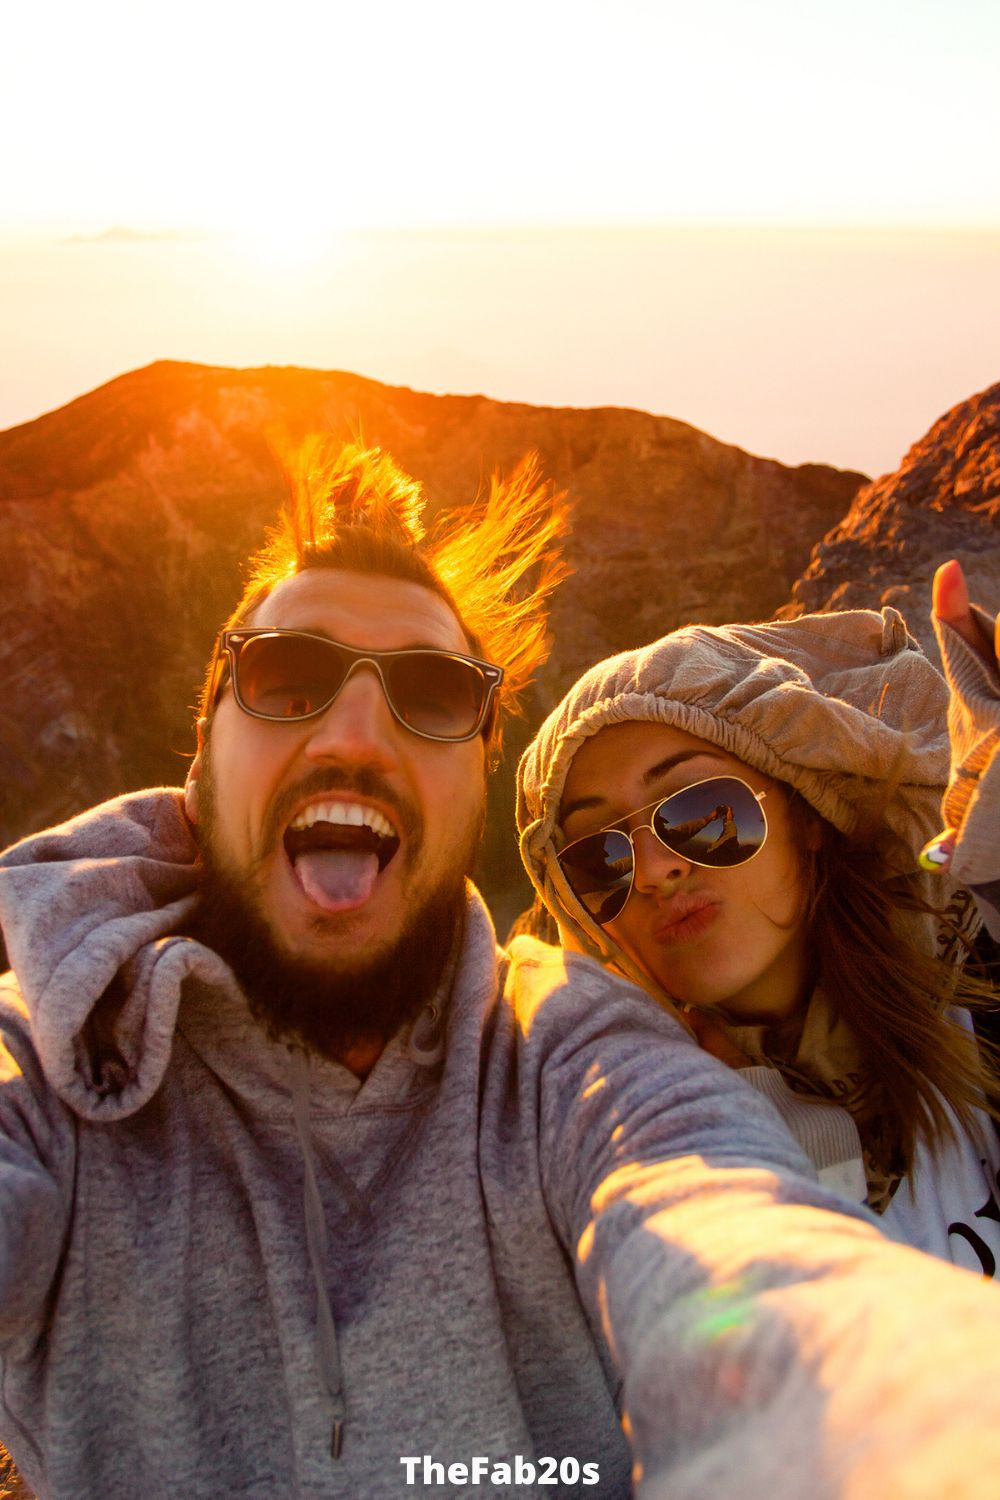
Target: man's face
(256,783)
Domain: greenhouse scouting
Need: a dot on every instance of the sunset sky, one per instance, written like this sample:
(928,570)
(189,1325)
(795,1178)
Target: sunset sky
(778,221)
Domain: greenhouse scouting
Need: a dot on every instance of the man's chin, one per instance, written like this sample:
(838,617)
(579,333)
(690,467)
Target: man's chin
(317,994)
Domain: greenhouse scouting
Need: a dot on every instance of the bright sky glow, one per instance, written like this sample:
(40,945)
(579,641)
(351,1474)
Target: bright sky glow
(317,115)
(818,278)
(805,345)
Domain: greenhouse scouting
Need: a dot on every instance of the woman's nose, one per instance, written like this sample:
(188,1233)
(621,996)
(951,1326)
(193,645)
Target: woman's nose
(655,864)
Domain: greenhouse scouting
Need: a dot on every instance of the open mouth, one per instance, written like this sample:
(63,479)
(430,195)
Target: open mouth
(337,851)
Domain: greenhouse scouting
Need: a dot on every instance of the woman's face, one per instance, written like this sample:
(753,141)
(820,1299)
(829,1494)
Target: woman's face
(731,938)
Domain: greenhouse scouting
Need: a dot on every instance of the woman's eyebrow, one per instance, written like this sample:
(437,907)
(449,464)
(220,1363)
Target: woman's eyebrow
(670,761)
(580,804)
(577,805)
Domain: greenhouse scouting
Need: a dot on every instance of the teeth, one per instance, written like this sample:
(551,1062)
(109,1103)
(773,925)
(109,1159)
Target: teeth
(351,814)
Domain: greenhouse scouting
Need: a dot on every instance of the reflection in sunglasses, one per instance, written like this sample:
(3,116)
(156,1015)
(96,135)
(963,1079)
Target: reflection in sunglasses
(600,867)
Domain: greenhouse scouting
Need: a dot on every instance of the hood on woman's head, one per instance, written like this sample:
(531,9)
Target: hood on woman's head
(839,706)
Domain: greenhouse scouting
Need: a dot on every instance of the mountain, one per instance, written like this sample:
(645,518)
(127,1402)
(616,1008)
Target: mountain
(943,501)
(125,516)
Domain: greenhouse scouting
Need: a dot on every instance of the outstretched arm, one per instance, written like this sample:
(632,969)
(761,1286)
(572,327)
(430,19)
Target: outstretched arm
(37,1147)
(772,1344)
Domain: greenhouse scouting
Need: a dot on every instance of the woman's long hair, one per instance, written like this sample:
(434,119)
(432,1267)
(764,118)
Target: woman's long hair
(894,995)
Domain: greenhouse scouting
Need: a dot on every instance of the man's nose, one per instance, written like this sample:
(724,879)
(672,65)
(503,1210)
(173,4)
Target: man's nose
(358,726)
(655,864)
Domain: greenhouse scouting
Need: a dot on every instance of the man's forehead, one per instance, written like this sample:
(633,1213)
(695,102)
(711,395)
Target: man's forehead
(362,609)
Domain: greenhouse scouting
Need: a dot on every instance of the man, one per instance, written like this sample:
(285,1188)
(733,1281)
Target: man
(306,1191)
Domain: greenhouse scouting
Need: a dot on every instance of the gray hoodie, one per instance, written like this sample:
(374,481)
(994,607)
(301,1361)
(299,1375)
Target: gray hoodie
(212,1252)
(972,800)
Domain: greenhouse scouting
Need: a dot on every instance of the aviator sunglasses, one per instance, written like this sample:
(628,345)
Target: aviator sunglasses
(715,823)
(291,675)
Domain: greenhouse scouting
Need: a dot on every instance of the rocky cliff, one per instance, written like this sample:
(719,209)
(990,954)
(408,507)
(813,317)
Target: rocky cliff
(943,501)
(124,518)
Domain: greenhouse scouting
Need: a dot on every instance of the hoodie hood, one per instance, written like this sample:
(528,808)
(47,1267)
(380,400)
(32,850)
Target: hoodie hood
(91,912)
(839,706)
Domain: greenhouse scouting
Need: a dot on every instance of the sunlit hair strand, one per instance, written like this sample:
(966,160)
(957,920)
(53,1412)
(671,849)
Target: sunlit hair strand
(495,562)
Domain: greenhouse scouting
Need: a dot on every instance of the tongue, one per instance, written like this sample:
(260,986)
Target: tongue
(337,879)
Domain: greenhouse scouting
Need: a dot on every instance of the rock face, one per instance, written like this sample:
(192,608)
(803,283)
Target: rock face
(125,516)
(943,501)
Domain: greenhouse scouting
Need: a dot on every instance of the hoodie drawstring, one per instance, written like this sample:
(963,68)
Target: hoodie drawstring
(327,1354)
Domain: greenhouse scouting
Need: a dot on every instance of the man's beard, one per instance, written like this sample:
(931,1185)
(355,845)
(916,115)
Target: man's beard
(328,1006)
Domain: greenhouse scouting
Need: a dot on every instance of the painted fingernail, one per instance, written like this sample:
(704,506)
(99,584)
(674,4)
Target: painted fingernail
(936,854)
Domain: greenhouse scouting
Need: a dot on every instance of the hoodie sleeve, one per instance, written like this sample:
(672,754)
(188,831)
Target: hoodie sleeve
(771,1343)
(972,800)
(37,1158)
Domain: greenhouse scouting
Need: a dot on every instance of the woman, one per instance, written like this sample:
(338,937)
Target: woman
(732,818)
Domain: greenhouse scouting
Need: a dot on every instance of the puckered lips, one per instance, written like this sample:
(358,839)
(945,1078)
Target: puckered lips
(337,851)
(685,917)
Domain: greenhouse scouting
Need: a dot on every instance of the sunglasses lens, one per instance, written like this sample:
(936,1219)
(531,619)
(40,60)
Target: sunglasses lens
(599,872)
(288,676)
(718,823)
(437,695)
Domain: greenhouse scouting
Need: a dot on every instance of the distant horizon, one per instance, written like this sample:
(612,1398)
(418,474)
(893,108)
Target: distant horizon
(73,231)
(778,222)
(269,365)
(392,115)
(837,347)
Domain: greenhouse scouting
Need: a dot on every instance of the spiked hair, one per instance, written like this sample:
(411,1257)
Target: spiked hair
(495,562)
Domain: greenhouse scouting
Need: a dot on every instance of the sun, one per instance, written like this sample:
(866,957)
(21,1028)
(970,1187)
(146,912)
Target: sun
(282,241)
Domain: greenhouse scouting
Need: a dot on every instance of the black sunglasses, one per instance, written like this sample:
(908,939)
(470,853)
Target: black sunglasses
(292,675)
(714,823)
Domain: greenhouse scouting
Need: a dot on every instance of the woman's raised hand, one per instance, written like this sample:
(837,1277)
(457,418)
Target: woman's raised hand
(950,606)
(950,603)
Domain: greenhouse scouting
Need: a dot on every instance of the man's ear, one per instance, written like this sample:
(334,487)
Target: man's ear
(194,771)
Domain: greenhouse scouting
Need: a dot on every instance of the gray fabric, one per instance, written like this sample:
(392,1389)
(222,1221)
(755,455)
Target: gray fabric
(570,1176)
(988,902)
(318,1246)
(972,800)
